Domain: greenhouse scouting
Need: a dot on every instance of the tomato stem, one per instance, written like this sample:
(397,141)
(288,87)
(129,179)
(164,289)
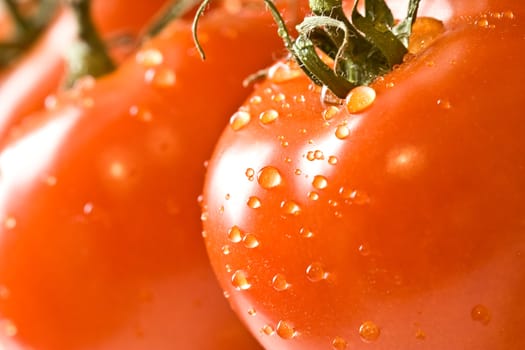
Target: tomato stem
(88,56)
(22,24)
(176,9)
(361,48)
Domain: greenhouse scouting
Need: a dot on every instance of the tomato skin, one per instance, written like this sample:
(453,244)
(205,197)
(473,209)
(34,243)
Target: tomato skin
(407,216)
(40,72)
(100,236)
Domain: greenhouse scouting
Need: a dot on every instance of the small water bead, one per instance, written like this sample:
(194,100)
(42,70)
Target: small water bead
(226,249)
(279,283)
(332,160)
(320,182)
(338,343)
(228,268)
(240,280)
(291,208)
(10,223)
(161,77)
(141,114)
(306,233)
(88,208)
(269,177)
(250,174)
(369,331)
(481,314)
(239,120)
(444,103)
(360,98)
(315,272)
(252,312)
(299,99)
(235,234)
(342,132)
(364,249)
(226,294)
(255,100)
(267,330)
(313,195)
(298,172)
(330,112)
(508,14)
(424,31)
(279,97)
(268,116)
(254,202)
(250,241)
(420,334)
(281,72)
(285,330)
(149,57)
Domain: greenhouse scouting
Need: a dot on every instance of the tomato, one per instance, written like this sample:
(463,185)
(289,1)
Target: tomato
(100,234)
(395,226)
(25,86)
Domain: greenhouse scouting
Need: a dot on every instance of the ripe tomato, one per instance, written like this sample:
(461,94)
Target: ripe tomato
(40,71)
(400,226)
(100,235)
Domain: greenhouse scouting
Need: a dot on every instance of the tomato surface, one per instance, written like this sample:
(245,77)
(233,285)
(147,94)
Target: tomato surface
(40,72)
(398,226)
(100,234)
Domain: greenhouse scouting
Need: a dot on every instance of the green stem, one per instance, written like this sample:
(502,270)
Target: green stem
(177,9)
(88,56)
(22,25)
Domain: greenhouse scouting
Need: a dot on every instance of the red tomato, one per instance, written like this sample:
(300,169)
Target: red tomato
(100,231)
(400,226)
(25,86)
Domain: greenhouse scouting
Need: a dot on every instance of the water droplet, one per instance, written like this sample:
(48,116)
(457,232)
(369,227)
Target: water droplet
(161,77)
(364,249)
(149,57)
(483,23)
(332,160)
(306,233)
(10,223)
(239,120)
(508,14)
(444,103)
(250,174)
(88,208)
(315,272)
(269,177)
(285,330)
(480,313)
(240,280)
(252,312)
(268,116)
(254,202)
(279,282)
(281,72)
(226,249)
(255,100)
(313,196)
(298,171)
(369,331)
(342,132)
(360,98)
(339,343)
(320,182)
(279,97)
(250,241)
(420,334)
(140,113)
(226,294)
(267,330)
(290,208)
(235,234)
(330,112)
(228,268)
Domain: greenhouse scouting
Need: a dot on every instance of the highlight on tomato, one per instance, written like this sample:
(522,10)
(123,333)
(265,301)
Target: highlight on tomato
(40,69)
(100,234)
(369,193)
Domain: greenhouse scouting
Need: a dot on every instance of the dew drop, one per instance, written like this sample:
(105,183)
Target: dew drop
(306,233)
(369,331)
(290,208)
(360,98)
(161,77)
(226,249)
(342,132)
(481,314)
(269,177)
(339,343)
(320,182)
(268,116)
(332,160)
(239,120)
(250,174)
(279,97)
(444,104)
(315,272)
(226,294)
(235,234)
(279,283)
(267,330)
(285,330)
(281,72)
(88,208)
(250,241)
(141,114)
(330,112)
(149,57)
(240,281)
(364,249)
(318,155)
(313,195)
(420,334)
(255,100)
(254,202)
(483,23)
(228,268)
(508,14)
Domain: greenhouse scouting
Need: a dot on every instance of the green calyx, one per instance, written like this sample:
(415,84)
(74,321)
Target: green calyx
(362,48)
(27,28)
